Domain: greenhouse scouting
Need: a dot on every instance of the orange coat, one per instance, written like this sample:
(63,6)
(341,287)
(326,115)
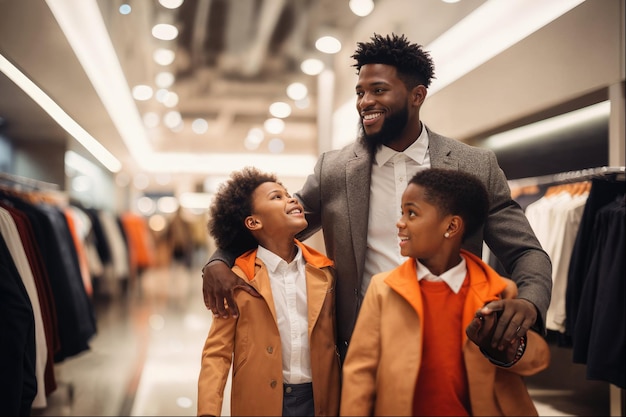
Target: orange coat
(384,355)
(255,341)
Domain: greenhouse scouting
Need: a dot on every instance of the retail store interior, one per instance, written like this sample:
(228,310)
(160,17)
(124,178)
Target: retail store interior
(129,131)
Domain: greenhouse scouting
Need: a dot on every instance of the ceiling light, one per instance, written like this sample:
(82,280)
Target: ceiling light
(539,130)
(328,45)
(297,91)
(125,9)
(146,205)
(163,56)
(172,119)
(164,79)
(276,145)
(75,130)
(164,31)
(361,7)
(199,126)
(84,28)
(254,138)
(274,126)
(312,66)
(195,200)
(161,94)
(157,222)
(171,99)
(142,92)
(167,204)
(171,4)
(280,109)
(486,32)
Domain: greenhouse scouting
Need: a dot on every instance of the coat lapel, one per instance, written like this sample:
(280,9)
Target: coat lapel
(357,180)
(317,288)
(440,152)
(256,273)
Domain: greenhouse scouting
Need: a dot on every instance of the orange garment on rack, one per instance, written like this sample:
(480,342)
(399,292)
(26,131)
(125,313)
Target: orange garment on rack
(140,243)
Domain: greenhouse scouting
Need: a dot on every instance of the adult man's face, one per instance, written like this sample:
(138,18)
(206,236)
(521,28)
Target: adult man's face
(382,103)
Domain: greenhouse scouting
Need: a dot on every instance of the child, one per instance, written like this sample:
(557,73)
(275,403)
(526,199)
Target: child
(282,344)
(410,354)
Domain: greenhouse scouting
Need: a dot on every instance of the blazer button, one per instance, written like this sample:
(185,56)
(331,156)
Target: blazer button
(273,383)
(270,350)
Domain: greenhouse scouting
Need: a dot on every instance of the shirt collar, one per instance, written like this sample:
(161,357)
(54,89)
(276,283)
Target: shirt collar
(273,261)
(454,276)
(417,150)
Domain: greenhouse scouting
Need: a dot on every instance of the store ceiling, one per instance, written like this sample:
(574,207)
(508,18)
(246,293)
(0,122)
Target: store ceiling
(233,59)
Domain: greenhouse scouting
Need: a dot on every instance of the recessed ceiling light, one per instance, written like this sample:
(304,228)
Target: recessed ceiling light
(280,109)
(163,56)
(328,45)
(361,7)
(312,66)
(297,91)
(165,31)
(171,4)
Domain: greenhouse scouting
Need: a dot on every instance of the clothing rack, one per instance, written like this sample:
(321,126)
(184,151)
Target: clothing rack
(26,184)
(571,176)
(617,396)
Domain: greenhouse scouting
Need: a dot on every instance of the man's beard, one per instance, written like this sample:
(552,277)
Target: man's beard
(392,127)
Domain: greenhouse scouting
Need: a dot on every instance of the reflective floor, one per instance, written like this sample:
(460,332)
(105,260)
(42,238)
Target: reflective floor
(145,358)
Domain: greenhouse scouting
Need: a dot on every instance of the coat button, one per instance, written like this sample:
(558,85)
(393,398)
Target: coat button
(273,383)
(270,349)
(288,390)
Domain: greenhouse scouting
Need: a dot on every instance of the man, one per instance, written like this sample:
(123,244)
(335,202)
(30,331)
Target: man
(359,226)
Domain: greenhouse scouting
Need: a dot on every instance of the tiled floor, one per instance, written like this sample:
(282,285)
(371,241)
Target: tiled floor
(145,358)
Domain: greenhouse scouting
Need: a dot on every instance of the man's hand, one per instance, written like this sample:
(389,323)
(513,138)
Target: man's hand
(218,287)
(513,318)
(481,330)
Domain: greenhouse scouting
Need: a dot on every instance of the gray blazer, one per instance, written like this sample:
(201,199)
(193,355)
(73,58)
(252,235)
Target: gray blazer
(336,198)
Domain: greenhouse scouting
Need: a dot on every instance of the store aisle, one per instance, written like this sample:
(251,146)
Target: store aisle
(145,358)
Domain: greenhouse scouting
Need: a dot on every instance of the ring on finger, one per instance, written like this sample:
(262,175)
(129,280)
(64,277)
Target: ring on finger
(518,329)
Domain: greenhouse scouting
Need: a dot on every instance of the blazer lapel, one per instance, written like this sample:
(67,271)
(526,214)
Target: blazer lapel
(440,152)
(358,171)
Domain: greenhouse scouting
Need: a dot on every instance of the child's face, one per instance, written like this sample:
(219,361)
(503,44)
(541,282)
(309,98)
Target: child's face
(421,227)
(276,211)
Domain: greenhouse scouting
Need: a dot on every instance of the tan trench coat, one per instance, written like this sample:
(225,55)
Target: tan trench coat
(253,338)
(383,360)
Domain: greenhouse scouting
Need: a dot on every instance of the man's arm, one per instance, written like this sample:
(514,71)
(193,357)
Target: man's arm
(509,235)
(219,283)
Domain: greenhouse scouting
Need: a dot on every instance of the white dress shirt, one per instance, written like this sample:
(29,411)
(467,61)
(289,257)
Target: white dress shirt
(288,283)
(391,172)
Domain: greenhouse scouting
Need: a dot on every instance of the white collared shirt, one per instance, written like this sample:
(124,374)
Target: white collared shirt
(288,283)
(454,276)
(391,172)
